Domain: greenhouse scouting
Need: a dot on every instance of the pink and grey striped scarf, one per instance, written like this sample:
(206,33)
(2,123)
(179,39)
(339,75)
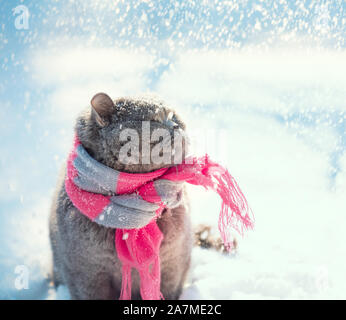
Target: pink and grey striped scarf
(131,203)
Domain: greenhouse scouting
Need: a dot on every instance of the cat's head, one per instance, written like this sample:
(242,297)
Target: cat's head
(133,135)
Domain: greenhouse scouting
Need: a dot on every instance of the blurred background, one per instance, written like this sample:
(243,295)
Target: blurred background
(270,75)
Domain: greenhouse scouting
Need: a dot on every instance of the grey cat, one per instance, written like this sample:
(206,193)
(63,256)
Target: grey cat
(84,254)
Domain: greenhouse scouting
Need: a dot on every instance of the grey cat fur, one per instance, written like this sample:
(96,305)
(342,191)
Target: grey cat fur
(84,254)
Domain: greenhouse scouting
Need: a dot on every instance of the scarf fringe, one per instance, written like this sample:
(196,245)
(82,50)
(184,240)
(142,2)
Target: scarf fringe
(150,282)
(140,250)
(126,283)
(235,211)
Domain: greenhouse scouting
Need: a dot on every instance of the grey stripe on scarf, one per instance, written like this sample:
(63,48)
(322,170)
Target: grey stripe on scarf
(128,211)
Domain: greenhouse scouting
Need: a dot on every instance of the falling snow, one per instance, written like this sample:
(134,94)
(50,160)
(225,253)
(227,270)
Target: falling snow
(267,78)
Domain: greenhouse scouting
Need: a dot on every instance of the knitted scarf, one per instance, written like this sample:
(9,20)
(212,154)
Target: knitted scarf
(131,203)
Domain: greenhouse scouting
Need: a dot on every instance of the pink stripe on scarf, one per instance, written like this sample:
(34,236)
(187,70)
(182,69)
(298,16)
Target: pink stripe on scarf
(128,182)
(90,204)
(140,250)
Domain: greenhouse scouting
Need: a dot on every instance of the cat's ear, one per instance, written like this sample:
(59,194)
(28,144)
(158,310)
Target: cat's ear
(102,108)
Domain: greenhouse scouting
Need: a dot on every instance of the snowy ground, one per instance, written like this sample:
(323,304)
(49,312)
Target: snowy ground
(279,120)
